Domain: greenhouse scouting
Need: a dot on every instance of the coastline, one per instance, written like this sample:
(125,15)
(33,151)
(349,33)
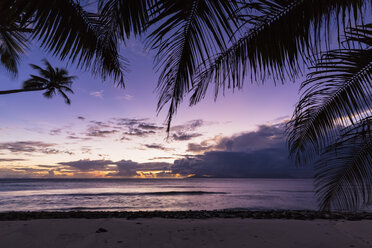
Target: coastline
(200,214)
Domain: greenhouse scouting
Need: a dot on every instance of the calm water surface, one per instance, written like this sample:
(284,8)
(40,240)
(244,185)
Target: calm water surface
(160,194)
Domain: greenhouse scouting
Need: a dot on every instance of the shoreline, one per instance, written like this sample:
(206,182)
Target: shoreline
(200,214)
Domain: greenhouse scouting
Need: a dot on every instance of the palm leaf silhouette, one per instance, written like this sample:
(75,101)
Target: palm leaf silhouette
(332,123)
(344,173)
(125,17)
(13,37)
(338,92)
(187,32)
(68,31)
(279,37)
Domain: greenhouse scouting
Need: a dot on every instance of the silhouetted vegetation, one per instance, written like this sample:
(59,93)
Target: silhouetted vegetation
(332,123)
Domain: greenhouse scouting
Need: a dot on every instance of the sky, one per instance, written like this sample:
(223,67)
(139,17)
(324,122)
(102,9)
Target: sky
(114,132)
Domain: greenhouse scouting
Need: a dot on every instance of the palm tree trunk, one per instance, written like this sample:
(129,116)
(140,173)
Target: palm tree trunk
(4,92)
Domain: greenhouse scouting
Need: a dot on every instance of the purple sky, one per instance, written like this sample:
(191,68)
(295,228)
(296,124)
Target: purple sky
(114,124)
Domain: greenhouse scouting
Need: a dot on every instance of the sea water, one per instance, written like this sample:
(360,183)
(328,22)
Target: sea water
(155,194)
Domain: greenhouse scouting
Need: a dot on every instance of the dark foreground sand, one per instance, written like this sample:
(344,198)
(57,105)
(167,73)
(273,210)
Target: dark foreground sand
(178,233)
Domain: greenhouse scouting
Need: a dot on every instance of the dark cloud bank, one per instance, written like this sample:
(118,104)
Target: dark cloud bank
(262,153)
(258,154)
(124,168)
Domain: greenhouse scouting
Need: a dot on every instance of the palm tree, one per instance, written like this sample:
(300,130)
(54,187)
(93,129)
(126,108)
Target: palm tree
(52,80)
(332,123)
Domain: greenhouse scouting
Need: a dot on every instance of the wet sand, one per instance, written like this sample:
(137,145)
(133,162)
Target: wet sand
(178,233)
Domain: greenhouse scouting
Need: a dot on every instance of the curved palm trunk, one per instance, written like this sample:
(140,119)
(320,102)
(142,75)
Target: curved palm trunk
(4,92)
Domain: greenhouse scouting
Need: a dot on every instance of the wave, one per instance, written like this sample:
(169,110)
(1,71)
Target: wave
(160,193)
(90,208)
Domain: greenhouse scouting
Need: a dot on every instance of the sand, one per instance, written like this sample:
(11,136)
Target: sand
(160,232)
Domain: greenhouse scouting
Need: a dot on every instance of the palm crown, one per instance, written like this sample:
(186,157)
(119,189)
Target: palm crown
(52,80)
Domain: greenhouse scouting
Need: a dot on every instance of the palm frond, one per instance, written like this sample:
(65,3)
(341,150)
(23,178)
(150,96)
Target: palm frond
(360,34)
(65,97)
(13,37)
(280,35)
(68,31)
(49,93)
(343,178)
(187,32)
(338,93)
(66,89)
(34,83)
(125,17)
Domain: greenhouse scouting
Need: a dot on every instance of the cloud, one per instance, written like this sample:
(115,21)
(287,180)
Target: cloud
(128,127)
(267,163)
(56,167)
(100,124)
(149,126)
(159,158)
(86,149)
(141,123)
(100,129)
(136,127)
(129,122)
(141,127)
(29,147)
(180,136)
(157,146)
(98,94)
(266,136)
(138,132)
(28,172)
(88,165)
(261,153)
(100,133)
(199,148)
(11,173)
(81,118)
(74,137)
(126,97)
(128,168)
(56,131)
(122,168)
(188,126)
(12,159)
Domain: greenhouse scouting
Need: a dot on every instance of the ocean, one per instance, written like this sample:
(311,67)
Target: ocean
(155,194)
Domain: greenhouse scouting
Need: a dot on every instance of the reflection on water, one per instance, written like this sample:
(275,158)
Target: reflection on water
(160,194)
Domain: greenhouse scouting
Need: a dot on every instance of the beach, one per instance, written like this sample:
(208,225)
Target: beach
(185,229)
(162,232)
